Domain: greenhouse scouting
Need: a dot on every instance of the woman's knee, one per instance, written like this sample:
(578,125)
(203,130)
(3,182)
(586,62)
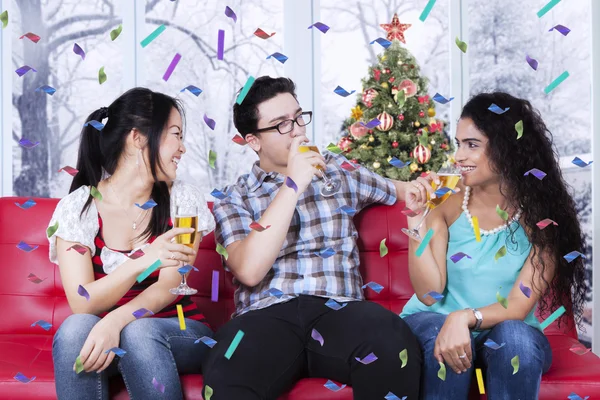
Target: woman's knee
(75,329)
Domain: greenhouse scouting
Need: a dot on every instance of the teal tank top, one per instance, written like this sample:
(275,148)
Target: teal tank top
(474,282)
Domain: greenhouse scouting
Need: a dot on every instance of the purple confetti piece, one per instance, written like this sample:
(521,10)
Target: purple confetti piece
(526,290)
(573,255)
(441,99)
(326,253)
(141,312)
(498,110)
(210,122)
(392,396)
(23,379)
(443,190)
(334,305)
(317,336)
(25,247)
(171,67)
(561,28)
(459,256)
(45,88)
(82,292)
(192,89)
(24,69)
(289,182)
(580,163)
(97,125)
(383,42)
(220,44)
(27,205)
(434,295)
(28,144)
(274,292)
(368,359)
(218,194)
(279,57)
(230,13)
(532,62)
(347,210)
(43,324)
(333,387)
(147,205)
(376,287)
(493,345)
(158,386)
(118,351)
(210,342)
(342,92)
(79,51)
(320,26)
(537,173)
(397,163)
(371,124)
(186,268)
(214,293)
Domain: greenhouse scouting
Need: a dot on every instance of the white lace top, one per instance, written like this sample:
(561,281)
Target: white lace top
(83,230)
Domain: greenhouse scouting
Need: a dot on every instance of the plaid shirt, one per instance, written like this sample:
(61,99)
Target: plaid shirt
(317,224)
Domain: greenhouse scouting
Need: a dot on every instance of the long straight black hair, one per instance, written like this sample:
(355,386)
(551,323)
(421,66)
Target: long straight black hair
(140,109)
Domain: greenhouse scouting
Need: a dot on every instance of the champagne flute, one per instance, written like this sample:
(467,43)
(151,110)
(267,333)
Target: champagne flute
(330,186)
(186,217)
(449,176)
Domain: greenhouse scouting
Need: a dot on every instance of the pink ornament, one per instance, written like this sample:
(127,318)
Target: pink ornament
(377,74)
(387,122)
(345,144)
(368,96)
(357,130)
(409,87)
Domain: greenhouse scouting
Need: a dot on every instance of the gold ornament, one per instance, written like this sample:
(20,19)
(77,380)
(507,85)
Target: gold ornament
(376,165)
(383,57)
(389,159)
(432,141)
(431,112)
(371,139)
(390,105)
(384,85)
(364,146)
(357,113)
(417,124)
(413,167)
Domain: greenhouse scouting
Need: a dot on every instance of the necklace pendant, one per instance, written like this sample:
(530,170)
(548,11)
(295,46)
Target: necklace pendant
(134,226)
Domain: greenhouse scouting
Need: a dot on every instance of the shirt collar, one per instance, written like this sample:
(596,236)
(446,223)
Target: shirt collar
(258,176)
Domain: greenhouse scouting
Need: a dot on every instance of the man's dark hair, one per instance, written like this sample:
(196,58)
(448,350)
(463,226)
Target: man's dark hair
(245,115)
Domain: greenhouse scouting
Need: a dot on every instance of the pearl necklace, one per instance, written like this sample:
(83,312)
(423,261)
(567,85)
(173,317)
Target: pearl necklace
(483,231)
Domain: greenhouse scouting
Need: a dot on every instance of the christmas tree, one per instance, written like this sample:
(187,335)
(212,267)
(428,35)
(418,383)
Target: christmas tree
(393,130)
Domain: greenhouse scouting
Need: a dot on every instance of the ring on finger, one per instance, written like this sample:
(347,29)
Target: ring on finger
(463,356)
(172,257)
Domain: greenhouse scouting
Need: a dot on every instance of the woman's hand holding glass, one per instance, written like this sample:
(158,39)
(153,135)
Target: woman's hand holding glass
(169,253)
(418,192)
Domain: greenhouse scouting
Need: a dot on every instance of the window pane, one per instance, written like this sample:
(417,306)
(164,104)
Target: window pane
(192,31)
(55,121)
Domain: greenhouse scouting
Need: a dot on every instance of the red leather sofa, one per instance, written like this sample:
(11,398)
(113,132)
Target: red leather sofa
(28,349)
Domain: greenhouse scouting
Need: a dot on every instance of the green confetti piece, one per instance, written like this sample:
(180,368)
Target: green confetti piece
(78,365)
(222,251)
(547,8)
(553,317)
(52,230)
(404,357)
(461,45)
(424,243)
(400,98)
(500,253)
(383,250)
(245,90)
(208,392)
(556,82)
(515,364)
(502,300)
(116,32)
(4,19)
(101,76)
(96,193)
(442,371)
(153,35)
(148,271)
(427,10)
(503,214)
(234,344)
(519,129)
(333,148)
(212,158)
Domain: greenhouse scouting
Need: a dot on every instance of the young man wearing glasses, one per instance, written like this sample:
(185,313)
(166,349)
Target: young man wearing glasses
(301,308)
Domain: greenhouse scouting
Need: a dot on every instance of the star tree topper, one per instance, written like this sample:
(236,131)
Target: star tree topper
(395,30)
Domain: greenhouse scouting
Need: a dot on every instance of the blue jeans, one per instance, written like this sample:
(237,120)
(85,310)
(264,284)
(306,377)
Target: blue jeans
(532,347)
(156,348)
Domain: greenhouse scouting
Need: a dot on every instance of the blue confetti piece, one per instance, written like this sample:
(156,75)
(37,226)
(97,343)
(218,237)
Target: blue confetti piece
(149,204)
(367,359)
(333,387)
(443,190)
(376,287)
(536,172)
(371,124)
(392,396)
(561,28)
(28,144)
(435,295)
(45,88)
(43,324)
(26,247)
(218,194)
(346,209)
(326,253)
(342,92)
(192,89)
(497,110)
(573,255)
(274,292)
(320,26)
(279,57)
(23,379)
(575,396)
(334,305)
(186,268)
(24,69)
(441,99)
(210,342)
(383,42)
(97,125)
(397,163)
(580,163)
(118,351)
(493,345)
(459,256)
(27,205)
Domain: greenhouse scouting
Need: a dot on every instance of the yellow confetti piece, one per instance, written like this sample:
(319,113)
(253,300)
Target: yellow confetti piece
(476,229)
(500,253)
(480,380)
(180,316)
(208,392)
(442,371)
(515,364)
(519,129)
(501,300)
(404,357)
(383,250)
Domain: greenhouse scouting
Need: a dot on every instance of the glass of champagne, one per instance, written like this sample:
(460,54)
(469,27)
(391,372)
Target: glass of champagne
(330,186)
(449,176)
(186,217)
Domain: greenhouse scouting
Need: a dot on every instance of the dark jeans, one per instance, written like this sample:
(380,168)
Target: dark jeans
(277,350)
(532,347)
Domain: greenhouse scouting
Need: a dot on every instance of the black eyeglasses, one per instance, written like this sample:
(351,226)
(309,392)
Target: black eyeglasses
(287,125)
